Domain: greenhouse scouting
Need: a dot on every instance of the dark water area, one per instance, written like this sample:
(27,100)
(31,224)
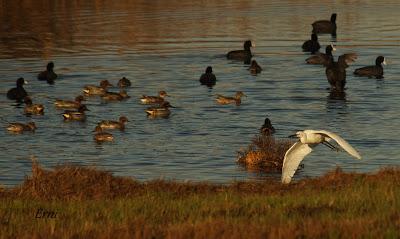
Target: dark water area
(166,45)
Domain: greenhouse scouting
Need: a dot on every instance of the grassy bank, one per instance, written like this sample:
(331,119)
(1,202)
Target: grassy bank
(87,203)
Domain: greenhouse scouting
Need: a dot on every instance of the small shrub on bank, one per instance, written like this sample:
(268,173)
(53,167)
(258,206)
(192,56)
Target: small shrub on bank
(265,153)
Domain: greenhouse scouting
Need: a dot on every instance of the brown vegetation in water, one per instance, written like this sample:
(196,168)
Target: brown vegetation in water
(265,153)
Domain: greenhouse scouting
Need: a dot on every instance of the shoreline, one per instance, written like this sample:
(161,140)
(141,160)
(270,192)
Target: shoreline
(84,202)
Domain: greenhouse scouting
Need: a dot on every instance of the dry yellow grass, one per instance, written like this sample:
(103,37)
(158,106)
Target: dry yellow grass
(92,203)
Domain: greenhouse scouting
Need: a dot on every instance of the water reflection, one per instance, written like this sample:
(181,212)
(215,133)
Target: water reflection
(336,96)
(162,45)
(336,103)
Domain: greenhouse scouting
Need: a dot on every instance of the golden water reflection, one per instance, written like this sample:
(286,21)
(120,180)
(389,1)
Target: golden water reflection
(43,28)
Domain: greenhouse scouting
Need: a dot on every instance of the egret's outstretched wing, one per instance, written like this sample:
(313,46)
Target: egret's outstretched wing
(343,143)
(292,159)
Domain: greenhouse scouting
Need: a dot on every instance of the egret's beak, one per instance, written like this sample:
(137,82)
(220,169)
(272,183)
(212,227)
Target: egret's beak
(292,136)
(333,47)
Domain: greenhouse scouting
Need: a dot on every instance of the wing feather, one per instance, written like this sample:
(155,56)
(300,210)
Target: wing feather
(347,58)
(343,143)
(292,159)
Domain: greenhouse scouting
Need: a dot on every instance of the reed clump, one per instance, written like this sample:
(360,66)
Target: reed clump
(265,153)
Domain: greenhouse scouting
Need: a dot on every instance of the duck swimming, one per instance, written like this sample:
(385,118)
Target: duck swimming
(325,26)
(109,124)
(48,75)
(311,45)
(124,82)
(97,90)
(254,68)
(146,99)
(267,128)
(336,71)
(242,55)
(113,96)
(34,109)
(223,100)
(321,58)
(70,104)
(19,92)
(372,71)
(160,111)
(78,115)
(208,78)
(20,128)
(101,136)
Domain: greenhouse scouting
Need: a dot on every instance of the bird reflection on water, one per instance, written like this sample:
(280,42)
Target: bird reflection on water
(336,103)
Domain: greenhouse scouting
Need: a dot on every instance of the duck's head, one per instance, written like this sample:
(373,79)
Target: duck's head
(380,60)
(50,66)
(239,94)
(21,81)
(333,17)
(329,49)
(123,119)
(314,37)
(98,129)
(123,82)
(247,44)
(209,69)
(162,93)
(267,122)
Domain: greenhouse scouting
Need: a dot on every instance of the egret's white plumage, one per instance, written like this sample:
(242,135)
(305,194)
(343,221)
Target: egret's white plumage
(308,139)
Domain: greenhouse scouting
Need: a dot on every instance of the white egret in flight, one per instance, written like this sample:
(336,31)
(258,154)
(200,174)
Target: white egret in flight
(308,139)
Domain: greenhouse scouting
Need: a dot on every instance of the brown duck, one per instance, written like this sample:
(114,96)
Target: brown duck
(146,99)
(101,136)
(33,109)
(97,90)
(69,104)
(109,124)
(20,128)
(78,115)
(223,100)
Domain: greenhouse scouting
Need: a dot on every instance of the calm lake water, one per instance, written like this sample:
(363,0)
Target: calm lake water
(166,45)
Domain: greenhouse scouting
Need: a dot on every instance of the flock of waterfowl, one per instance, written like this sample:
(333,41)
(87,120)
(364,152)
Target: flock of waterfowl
(75,110)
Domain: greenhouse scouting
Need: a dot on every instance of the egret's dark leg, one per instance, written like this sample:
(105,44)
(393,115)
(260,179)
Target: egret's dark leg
(329,145)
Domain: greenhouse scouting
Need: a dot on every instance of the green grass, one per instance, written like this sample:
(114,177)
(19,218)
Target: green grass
(337,205)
